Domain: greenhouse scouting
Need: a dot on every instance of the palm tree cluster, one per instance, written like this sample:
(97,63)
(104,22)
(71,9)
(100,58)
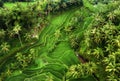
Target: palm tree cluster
(58,5)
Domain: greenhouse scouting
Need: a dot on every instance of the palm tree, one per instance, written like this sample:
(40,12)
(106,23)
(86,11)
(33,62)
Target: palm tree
(16,30)
(5,47)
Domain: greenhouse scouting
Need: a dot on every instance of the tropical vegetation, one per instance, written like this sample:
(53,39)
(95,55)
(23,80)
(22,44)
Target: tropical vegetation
(61,40)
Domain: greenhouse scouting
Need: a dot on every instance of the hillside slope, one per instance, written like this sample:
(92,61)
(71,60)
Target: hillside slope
(56,54)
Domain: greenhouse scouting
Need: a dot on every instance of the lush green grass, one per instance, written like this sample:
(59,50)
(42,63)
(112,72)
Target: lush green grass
(24,4)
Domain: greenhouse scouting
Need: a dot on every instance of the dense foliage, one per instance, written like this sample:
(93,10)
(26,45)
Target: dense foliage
(19,28)
(1,3)
(80,42)
(58,5)
(99,47)
(18,23)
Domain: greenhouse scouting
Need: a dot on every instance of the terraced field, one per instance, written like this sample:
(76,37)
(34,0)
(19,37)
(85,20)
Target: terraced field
(10,5)
(55,55)
(64,41)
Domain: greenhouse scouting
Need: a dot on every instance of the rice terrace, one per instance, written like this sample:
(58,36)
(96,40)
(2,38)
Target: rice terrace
(59,40)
